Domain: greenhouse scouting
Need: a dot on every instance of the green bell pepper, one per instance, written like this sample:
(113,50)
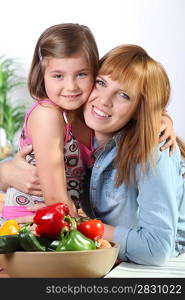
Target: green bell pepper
(74,240)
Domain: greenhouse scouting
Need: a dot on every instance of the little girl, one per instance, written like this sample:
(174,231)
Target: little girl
(64,65)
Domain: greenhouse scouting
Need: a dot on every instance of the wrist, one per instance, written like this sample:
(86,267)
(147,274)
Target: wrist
(108,232)
(4,171)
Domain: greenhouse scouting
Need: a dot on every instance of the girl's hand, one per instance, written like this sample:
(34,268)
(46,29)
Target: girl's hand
(26,219)
(167,134)
(72,209)
(81,213)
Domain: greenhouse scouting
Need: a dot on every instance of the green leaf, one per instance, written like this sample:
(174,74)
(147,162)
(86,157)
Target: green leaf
(11,117)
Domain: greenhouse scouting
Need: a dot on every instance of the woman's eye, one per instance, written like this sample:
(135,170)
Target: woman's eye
(124,95)
(82,75)
(100,82)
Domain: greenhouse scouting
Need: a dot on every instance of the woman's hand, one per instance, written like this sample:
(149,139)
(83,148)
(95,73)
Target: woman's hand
(108,232)
(167,134)
(20,174)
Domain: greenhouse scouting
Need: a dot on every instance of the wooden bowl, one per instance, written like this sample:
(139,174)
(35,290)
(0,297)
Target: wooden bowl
(68,264)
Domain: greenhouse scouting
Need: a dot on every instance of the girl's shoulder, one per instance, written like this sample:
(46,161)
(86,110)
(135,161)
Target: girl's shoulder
(45,107)
(47,115)
(41,104)
(46,103)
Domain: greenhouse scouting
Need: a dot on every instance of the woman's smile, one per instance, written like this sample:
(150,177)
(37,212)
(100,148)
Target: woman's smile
(100,113)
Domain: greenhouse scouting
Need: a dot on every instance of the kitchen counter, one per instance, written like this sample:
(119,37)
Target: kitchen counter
(174,268)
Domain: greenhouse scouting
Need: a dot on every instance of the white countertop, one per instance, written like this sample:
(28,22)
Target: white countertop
(174,268)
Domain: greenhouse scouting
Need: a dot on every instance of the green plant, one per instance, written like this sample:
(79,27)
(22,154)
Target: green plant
(11,116)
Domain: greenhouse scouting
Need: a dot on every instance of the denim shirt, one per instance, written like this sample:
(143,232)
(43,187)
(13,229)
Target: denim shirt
(149,215)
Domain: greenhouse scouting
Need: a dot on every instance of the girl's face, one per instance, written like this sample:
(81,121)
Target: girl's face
(109,107)
(68,81)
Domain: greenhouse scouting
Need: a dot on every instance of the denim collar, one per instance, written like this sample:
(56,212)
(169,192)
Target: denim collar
(113,141)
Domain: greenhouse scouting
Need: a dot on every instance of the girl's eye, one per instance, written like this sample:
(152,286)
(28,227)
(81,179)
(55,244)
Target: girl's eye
(58,76)
(124,95)
(100,82)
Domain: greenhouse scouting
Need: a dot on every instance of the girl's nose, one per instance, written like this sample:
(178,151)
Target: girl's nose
(71,84)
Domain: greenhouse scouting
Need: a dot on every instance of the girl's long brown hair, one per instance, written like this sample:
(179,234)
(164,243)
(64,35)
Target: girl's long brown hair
(146,80)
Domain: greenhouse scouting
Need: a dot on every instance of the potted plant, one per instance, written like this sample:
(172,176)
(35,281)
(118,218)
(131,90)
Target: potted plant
(11,115)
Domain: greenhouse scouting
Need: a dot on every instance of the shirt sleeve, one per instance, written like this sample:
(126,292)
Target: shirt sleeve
(153,241)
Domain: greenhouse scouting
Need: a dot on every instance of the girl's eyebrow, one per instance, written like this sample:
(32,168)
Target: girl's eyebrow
(61,71)
(56,71)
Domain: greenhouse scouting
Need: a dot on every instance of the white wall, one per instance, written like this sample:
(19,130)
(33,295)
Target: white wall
(157,25)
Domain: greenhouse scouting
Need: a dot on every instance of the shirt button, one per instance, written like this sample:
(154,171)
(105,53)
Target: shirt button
(97,166)
(93,188)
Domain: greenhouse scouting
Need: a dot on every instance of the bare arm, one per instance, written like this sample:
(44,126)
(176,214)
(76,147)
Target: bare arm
(108,232)
(3,172)
(19,174)
(46,127)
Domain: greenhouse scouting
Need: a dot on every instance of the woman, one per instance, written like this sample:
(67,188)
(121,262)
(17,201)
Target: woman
(135,188)
(124,121)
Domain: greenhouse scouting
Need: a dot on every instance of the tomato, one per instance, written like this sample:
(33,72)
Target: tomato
(92,228)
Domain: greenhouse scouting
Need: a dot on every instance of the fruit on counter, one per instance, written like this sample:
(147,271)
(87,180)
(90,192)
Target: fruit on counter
(92,228)
(74,240)
(50,220)
(9,227)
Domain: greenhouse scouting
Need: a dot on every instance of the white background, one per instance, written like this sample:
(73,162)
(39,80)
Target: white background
(156,25)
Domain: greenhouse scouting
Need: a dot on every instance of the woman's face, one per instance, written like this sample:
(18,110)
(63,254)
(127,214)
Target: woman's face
(109,107)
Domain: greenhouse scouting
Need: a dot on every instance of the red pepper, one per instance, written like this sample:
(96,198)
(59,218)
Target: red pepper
(91,228)
(49,220)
